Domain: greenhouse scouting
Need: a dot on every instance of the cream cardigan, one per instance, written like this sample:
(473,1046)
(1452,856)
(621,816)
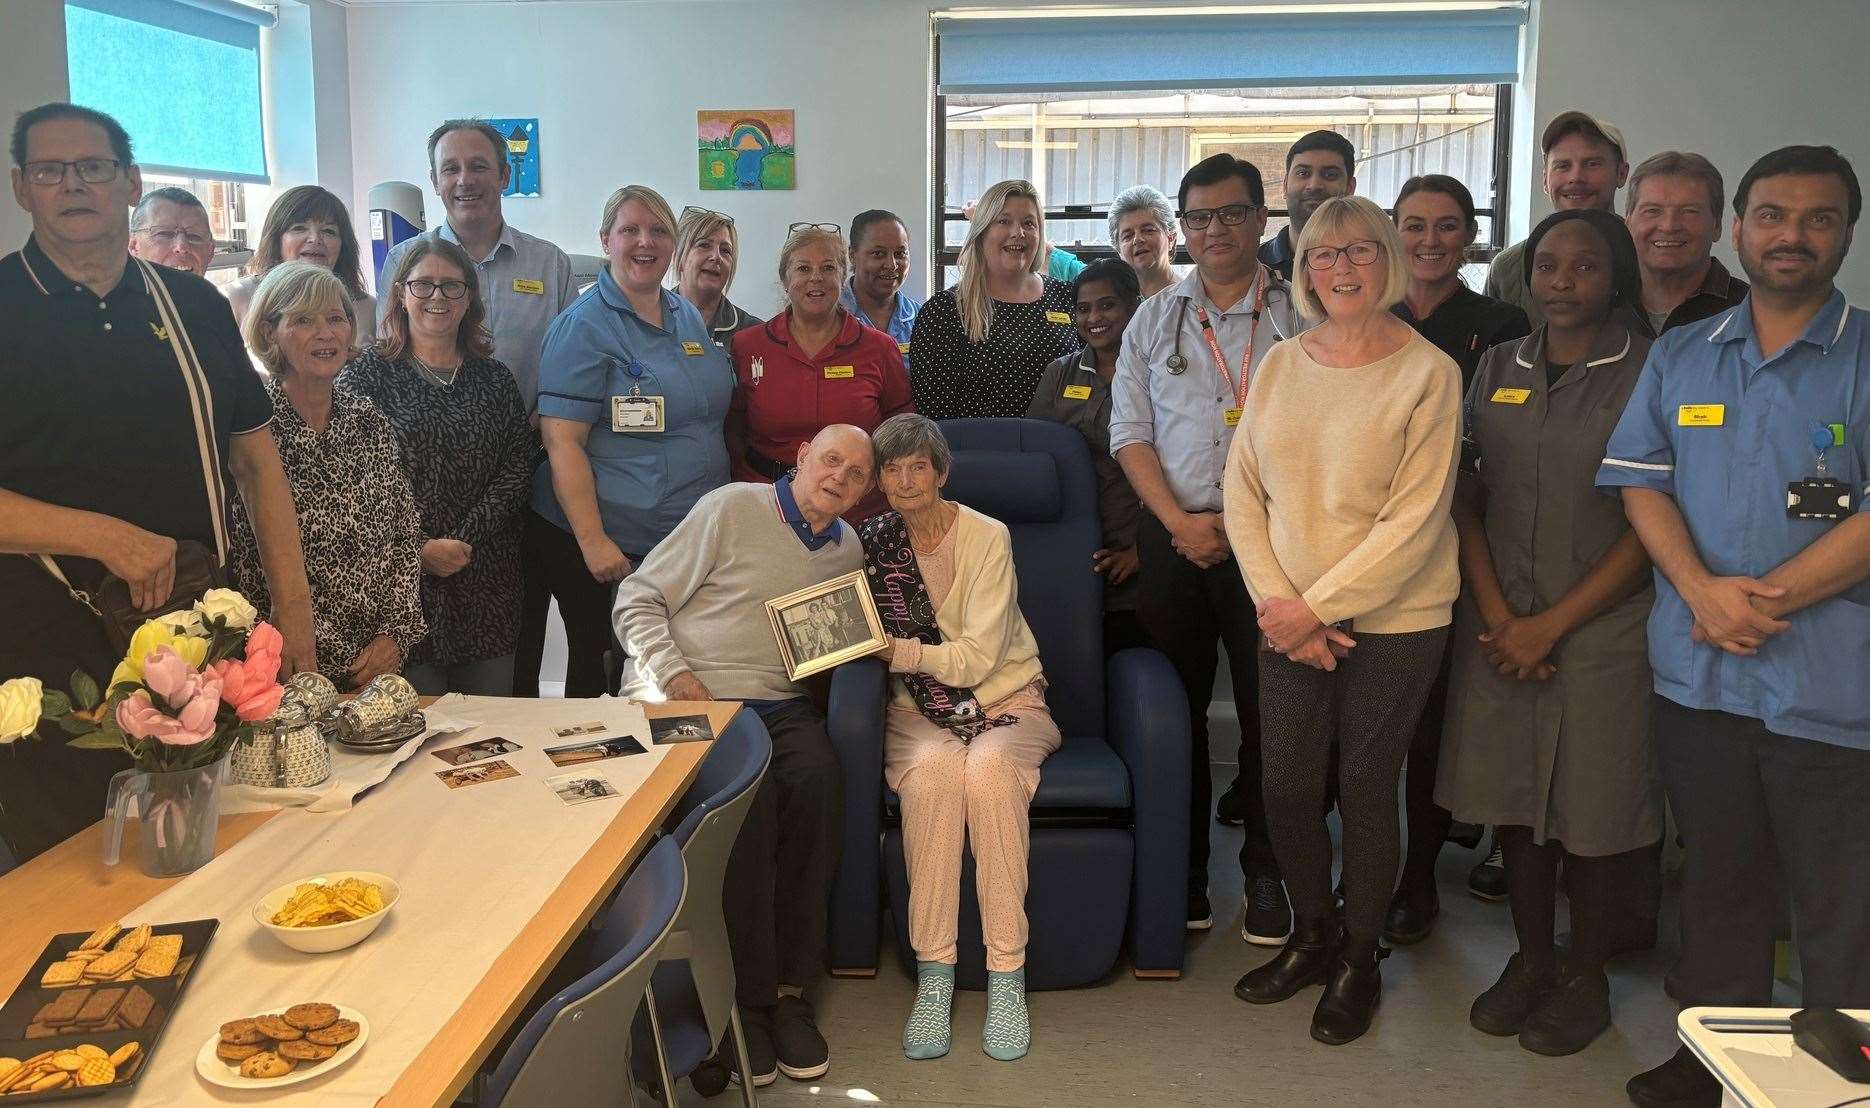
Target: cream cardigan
(986,645)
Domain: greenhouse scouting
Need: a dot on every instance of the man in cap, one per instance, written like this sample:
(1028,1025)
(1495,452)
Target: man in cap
(1585,165)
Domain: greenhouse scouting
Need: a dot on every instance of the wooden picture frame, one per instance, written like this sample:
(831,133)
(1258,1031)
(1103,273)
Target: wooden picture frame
(817,627)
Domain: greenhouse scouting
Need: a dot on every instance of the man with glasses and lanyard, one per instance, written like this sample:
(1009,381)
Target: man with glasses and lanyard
(1181,383)
(130,404)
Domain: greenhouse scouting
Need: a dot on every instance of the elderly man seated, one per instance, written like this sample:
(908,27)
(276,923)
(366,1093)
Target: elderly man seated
(693,620)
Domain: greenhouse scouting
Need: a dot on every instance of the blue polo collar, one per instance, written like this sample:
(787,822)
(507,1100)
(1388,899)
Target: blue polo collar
(1825,329)
(795,519)
(900,311)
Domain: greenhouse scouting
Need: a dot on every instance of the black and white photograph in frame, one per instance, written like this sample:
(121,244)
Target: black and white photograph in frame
(826,625)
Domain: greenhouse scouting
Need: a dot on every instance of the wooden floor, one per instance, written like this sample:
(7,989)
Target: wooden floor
(1190,1042)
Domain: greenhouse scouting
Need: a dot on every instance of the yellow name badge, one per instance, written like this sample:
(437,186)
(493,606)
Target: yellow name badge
(692,349)
(1077,392)
(1058,317)
(1232,416)
(1701,415)
(840,372)
(529,286)
(902,348)
(1511,396)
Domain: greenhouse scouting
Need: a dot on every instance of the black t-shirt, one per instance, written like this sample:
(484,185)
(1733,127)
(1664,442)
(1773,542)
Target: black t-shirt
(97,413)
(1465,325)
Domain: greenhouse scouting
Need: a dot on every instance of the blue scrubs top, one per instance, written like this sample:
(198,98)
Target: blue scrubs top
(1723,429)
(600,348)
(902,322)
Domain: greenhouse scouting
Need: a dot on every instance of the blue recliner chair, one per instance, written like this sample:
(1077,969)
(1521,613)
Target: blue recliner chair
(1110,819)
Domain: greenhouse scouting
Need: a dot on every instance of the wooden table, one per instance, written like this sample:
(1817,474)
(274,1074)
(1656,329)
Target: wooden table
(69,888)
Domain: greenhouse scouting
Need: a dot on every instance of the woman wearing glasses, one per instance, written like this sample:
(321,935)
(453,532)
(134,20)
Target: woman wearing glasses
(812,365)
(633,393)
(308,224)
(1337,492)
(468,449)
(707,249)
(981,346)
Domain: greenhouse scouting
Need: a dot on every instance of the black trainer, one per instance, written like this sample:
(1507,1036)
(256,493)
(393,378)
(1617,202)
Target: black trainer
(1503,1009)
(1577,1012)
(1268,920)
(761,1059)
(1230,809)
(802,1052)
(1411,916)
(1680,1082)
(1488,880)
(1200,912)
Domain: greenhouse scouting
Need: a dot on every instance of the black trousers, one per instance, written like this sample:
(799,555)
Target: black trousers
(1189,613)
(584,604)
(535,605)
(1428,821)
(779,873)
(1759,812)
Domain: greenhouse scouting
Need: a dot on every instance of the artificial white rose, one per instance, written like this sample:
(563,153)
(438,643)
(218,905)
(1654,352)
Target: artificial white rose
(185,621)
(19,708)
(229,606)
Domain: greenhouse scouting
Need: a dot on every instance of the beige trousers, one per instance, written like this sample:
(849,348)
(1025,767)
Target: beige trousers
(982,789)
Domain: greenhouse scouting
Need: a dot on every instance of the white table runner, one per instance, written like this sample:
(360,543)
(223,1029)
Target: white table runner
(475,866)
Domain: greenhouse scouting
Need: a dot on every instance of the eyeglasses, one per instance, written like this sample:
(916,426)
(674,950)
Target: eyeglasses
(795,228)
(1321,258)
(694,210)
(422,288)
(1232,215)
(92,171)
(168,238)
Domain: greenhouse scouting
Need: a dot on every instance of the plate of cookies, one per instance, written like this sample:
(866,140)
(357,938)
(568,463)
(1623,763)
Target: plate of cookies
(282,1046)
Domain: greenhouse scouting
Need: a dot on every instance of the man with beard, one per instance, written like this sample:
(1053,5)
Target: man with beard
(1674,216)
(1319,166)
(1742,465)
(1585,165)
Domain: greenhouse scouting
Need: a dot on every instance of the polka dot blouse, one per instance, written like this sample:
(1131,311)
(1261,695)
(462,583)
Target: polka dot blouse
(956,379)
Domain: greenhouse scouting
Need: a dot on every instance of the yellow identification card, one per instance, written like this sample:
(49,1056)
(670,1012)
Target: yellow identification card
(840,372)
(902,348)
(529,286)
(1077,392)
(1511,396)
(1058,317)
(1232,416)
(692,349)
(1701,415)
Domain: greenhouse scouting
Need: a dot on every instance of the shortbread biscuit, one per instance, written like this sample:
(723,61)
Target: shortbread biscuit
(57,1079)
(97,1071)
(92,1050)
(124,1053)
(311,1017)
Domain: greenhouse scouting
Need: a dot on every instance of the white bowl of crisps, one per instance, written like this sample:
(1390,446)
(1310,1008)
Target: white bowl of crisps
(282,1046)
(328,912)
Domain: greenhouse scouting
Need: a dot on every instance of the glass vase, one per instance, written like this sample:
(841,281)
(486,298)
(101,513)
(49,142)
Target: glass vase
(179,814)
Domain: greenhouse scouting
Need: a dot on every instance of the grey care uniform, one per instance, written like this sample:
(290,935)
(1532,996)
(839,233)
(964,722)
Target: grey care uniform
(1569,757)
(1086,407)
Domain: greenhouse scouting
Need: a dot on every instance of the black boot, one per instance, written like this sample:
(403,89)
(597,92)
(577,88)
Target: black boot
(1412,915)
(1576,1012)
(1306,960)
(1351,996)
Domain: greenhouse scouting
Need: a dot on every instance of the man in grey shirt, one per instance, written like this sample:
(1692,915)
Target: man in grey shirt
(693,620)
(1175,401)
(524,281)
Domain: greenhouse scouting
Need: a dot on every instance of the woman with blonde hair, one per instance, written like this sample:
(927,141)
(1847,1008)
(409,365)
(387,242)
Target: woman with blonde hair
(814,364)
(358,523)
(707,255)
(633,393)
(1336,499)
(981,346)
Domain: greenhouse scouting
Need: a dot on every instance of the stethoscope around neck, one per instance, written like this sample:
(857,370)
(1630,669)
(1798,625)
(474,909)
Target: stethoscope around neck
(1178,364)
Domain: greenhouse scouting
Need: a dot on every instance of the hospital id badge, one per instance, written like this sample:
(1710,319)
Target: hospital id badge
(636,414)
(1818,498)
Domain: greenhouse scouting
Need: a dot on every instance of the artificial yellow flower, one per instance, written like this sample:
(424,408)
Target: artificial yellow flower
(19,708)
(153,635)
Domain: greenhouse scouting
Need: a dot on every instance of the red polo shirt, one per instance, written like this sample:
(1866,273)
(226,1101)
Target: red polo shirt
(857,379)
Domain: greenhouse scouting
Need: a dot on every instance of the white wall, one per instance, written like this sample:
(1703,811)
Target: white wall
(308,97)
(32,71)
(1730,79)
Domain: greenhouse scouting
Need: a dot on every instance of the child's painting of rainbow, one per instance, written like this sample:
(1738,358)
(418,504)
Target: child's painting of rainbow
(746,149)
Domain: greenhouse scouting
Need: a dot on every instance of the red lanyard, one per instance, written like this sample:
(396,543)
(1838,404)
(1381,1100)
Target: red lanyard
(1214,347)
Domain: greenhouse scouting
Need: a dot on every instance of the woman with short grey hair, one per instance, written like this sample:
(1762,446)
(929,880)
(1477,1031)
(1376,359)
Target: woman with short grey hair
(1142,228)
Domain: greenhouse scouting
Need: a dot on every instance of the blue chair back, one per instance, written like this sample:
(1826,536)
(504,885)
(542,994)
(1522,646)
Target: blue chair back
(732,767)
(1037,478)
(567,1054)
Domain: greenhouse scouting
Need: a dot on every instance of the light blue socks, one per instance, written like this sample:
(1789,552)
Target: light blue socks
(927,1033)
(1007,1034)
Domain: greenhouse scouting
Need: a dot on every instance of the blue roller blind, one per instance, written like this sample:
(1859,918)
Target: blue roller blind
(1136,53)
(182,76)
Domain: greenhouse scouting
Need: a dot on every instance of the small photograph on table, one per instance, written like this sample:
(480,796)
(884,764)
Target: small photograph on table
(468,776)
(582,787)
(595,750)
(826,625)
(680,729)
(476,751)
(594,727)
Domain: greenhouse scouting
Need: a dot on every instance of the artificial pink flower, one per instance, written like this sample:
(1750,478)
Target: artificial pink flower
(250,687)
(265,642)
(141,719)
(169,676)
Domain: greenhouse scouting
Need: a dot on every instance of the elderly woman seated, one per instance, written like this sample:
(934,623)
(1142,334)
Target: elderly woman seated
(965,732)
